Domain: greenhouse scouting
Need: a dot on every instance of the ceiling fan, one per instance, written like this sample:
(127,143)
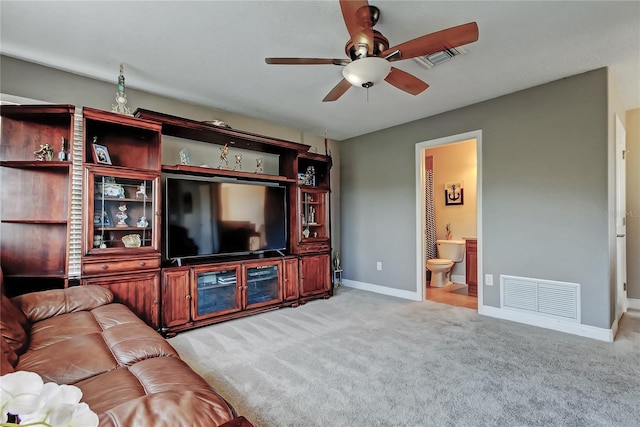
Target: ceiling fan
(370,56)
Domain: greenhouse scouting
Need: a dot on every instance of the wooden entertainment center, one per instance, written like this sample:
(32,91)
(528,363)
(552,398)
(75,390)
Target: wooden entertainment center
(93,214)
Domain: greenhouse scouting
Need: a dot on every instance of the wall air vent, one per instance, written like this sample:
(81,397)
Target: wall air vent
(559,300)
(437,58)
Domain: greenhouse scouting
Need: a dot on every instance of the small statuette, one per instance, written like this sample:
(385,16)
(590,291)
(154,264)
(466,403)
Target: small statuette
(45,153)
(238,166)
(184,157)
(259,162)
(310,176)
(62,155)
(142,191)
(122,215)
(142,222)
(224,152)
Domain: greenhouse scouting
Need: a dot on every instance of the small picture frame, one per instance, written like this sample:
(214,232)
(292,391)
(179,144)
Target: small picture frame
(101,154)
(453,194)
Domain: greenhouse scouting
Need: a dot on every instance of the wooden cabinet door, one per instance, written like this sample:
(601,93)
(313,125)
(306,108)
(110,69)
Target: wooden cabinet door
(217,289)
(315,274)
(140,292)
(290,279)
(176,298)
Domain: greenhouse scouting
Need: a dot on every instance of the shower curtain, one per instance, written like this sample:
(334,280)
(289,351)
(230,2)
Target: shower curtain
(430,217)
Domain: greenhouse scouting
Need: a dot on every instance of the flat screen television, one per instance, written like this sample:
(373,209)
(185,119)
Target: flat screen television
(206,217)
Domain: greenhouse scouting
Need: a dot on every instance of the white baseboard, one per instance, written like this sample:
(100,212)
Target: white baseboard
(514,316)
(548,323)
(400,293)
(634,303)
(458,278)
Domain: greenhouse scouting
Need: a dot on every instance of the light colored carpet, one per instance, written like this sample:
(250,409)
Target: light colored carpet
(362,359)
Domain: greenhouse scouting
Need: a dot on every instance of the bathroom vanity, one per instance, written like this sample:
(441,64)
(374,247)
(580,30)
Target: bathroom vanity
(471,246)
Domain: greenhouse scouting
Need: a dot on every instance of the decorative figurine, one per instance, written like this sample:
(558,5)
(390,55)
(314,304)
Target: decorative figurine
(310,176)
(238,165)
(184,157)
(337,264)
(224,152)
(62,155)
(142,191)
(45,153)
(121,97)
(122,215)
(259,161)
(142,222)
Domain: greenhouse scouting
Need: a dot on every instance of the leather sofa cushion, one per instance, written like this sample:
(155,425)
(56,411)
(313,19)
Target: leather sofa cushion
(153,390)
(72,347)
(66,362)
(43,305)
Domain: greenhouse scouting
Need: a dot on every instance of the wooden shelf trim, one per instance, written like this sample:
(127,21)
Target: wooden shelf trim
(192,129)
(35,164)
(31,112)
(36,221)
(197,170)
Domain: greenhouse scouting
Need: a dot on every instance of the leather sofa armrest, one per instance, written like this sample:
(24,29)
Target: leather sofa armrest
(43,305)
(238,422)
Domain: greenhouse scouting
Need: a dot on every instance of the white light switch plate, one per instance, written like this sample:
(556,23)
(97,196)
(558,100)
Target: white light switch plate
(488,279)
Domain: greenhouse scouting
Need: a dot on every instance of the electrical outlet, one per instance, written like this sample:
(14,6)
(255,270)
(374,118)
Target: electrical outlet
(379,266)
(488,279)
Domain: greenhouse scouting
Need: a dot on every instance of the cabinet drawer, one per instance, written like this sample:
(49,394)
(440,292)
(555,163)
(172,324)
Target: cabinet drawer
(106,267)
(309,248)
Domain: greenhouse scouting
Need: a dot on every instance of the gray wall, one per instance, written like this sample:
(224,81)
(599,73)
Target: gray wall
(544,191)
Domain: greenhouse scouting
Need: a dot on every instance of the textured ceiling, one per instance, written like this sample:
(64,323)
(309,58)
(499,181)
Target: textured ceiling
(212,52)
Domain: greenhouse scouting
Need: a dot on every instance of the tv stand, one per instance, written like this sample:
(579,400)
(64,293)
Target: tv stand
(204,291)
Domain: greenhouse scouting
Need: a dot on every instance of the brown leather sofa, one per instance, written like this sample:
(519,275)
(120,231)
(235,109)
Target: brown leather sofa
(129,375)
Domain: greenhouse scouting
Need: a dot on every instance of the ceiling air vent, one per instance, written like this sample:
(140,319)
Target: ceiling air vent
(437,58)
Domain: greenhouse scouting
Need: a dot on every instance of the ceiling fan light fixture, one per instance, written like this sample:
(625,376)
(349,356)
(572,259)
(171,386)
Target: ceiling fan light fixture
(365,72)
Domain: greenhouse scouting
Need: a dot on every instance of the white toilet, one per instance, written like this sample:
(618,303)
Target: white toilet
(449,252)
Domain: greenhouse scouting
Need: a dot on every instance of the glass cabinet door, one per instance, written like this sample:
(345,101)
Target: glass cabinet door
(262,285)
(122,212)
(314,215)
(216,292)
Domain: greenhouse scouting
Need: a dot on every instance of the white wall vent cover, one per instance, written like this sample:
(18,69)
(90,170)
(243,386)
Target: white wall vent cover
(558,300)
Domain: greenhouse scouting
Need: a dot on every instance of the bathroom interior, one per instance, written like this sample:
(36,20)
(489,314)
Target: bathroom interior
(450,252)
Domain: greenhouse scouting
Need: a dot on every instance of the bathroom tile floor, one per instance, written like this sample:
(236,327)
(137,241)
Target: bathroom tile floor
(454,294)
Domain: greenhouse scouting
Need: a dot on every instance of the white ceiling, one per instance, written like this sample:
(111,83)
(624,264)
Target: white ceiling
(212,52)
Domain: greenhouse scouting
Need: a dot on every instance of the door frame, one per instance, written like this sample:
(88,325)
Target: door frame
(622,303)
(421,262)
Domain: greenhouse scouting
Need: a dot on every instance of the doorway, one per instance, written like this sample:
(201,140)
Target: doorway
(466,231)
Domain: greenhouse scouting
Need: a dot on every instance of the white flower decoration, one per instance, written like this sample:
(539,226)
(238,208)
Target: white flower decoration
(24,394)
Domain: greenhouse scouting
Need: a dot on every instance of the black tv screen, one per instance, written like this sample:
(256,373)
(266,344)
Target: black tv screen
(211,218)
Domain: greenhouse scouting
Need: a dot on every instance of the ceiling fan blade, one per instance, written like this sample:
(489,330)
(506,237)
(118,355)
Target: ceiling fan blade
(337,91)
(435,42)
(356,18)
(306,61)
(405,81)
